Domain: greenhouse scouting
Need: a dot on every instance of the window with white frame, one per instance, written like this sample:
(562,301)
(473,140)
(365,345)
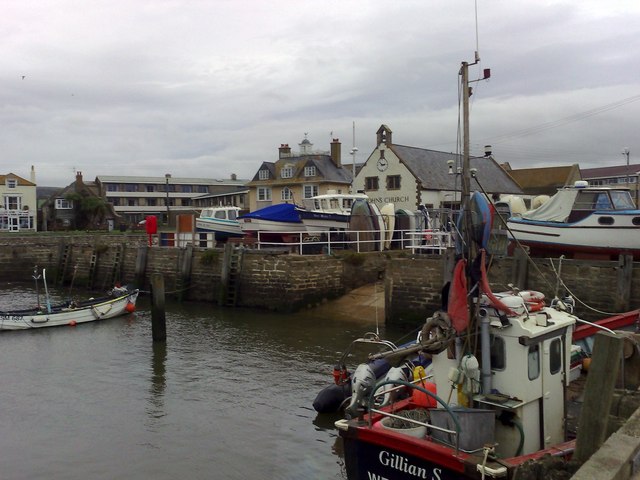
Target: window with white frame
(12,202)
(64,204)
(310,191)
(287,194)
(310,171)
(264,194)
(12,183)
(263,174)
(287,171)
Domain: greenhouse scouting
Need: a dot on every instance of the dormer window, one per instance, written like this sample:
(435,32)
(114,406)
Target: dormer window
(310,171)
(287,171)
(12,183)
(263,174)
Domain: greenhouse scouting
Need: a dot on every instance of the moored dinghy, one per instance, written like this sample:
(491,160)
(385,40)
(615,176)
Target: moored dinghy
(119,301)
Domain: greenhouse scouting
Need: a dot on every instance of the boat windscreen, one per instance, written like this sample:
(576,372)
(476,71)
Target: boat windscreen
(622,200)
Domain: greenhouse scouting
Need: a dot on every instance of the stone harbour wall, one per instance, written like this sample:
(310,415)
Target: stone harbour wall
(280,281)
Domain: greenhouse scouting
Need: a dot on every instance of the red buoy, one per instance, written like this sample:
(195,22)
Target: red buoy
(72,323)
(130,308)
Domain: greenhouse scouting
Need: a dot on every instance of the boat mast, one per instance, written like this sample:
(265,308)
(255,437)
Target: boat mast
(466,183)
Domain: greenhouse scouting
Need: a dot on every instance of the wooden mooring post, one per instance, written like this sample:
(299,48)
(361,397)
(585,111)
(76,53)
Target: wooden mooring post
(158,318)
(598,394)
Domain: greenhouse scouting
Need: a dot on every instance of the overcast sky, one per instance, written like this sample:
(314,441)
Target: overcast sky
(210,88)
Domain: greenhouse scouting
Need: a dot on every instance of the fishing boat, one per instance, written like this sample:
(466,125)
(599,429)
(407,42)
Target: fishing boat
(501,366)
(119,301)
(330,211)
(580,221)
(221,221)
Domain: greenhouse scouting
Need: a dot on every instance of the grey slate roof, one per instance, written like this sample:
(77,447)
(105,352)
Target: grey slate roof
(431,169)
(324,164)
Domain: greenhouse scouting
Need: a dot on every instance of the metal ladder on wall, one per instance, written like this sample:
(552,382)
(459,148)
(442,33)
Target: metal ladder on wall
(116,266)
(93,266)
(233,276)
(64,255)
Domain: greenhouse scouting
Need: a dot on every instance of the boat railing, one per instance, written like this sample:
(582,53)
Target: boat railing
(414,384)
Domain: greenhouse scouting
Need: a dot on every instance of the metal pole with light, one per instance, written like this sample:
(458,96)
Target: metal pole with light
(625,152)
(167,176)
(353,152)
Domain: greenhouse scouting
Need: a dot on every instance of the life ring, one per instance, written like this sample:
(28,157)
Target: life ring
(533,300)
(427,234)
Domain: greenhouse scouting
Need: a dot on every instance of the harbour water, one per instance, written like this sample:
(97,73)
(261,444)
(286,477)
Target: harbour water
(229,396)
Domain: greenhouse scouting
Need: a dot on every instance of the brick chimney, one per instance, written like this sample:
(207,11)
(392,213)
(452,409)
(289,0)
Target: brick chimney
(79,182)
(284,151)
(335,152)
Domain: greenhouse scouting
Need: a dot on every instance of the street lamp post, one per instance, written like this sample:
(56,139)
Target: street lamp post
(625,152)
(167,176)
(353,152)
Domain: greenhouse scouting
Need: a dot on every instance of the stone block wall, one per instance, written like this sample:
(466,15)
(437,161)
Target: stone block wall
(291,282)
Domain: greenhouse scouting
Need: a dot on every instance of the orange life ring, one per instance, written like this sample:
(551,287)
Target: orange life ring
(533,300)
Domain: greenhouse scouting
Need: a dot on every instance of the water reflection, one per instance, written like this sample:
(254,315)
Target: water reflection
(158,380)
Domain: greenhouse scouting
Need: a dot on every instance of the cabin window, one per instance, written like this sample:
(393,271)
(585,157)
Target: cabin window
(220,214)
(636,220)
(233,214)
(264,194)
(371,183)
(310,171)
(498,354)
(533,361)
(555,356)
(263,174)
(393,182)
(287,194)
(605,220)
(310,191)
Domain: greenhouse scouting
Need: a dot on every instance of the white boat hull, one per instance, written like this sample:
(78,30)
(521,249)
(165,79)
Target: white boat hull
(101,310)
(252,226)
(227,228)
(588,236)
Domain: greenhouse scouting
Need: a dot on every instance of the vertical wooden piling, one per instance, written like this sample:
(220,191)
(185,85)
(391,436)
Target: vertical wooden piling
(623,291)
(185,271)
(141,266)
(520,269)
(158,319)
(598,394)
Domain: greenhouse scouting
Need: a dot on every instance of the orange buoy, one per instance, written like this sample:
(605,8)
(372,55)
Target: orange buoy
(586,363)
(130,308)
(72,323)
